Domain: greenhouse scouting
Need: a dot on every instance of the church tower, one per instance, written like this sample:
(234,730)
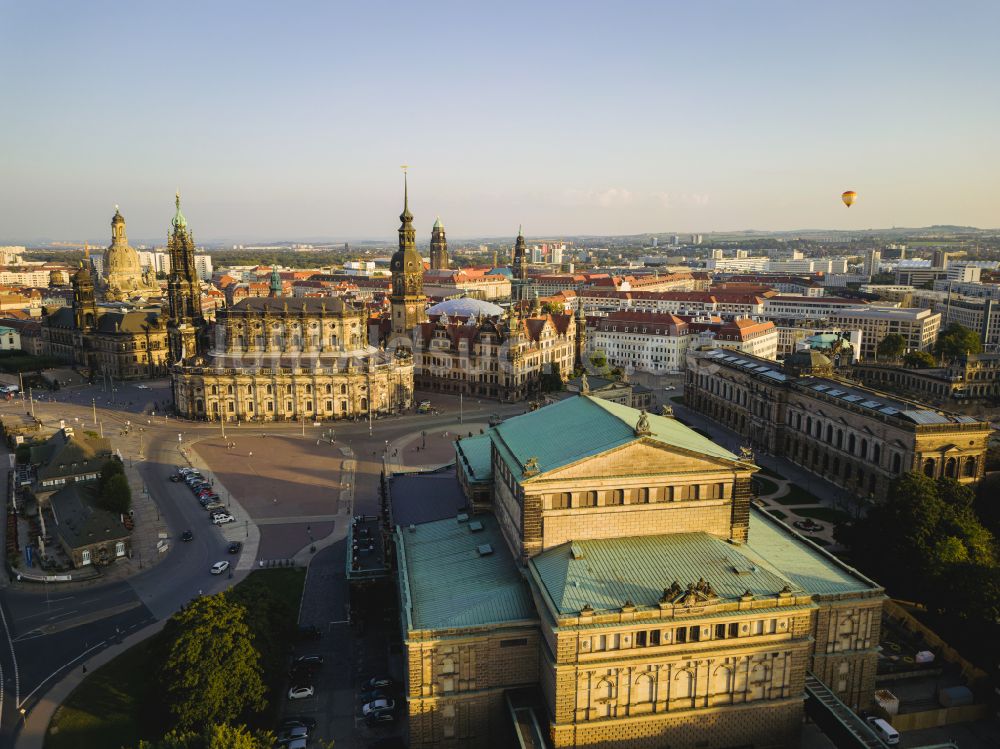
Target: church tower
(520,258)
(439,247)
(84,301)
(276,287)
(183,291)
(407,268)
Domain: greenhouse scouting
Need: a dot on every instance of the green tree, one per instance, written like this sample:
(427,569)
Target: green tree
(217,736)
(891,347)
(112,467)
(957,340)
(919,360)
(552,380)
(116,494)
(213,672)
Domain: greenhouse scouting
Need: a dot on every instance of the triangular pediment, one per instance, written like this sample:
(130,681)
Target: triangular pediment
(640,458)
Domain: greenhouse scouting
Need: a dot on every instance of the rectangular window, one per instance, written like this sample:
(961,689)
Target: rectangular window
(640,639)
(734,629)
(720,631)
(758,627)
(120,549)
(695,634)
(681,635)
(561,501)
(516,643)
(654,637)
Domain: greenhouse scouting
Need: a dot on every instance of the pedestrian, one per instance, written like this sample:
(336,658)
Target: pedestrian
(84,669)
(251,453)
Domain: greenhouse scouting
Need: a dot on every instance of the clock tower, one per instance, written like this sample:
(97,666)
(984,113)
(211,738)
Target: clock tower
(407,298)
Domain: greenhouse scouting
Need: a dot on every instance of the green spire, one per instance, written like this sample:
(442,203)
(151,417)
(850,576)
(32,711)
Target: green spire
(179,221)
(406,217)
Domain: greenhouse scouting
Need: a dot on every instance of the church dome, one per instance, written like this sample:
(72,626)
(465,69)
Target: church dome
(122,269)
(465,307)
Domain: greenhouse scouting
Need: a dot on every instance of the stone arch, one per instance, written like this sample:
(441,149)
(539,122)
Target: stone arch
(969,468)
(929,467)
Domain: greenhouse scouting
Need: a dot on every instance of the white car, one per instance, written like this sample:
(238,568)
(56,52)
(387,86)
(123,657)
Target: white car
(300,693)
(382,705)
(219,567)
(222,519)
(143,387)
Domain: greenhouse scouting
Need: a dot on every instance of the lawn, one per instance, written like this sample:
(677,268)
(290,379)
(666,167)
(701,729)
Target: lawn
(797,496)
(119,704)
(764,487)
(768,472)
(827,514)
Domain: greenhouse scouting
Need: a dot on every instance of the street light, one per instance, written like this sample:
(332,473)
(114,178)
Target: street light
(24,715)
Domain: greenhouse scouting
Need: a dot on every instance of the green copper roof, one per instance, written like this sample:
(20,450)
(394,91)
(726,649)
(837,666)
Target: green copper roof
(581,427)
(777,547)
(438,224)
(475,457)
(179,221)
(447,583)
(611,571)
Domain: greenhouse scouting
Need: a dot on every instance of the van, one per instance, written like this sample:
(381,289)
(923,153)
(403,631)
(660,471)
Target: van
(884,731)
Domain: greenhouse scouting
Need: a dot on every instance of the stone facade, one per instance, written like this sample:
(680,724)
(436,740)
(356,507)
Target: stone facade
(277,359)
(974,378)
(857,438)
(123,276)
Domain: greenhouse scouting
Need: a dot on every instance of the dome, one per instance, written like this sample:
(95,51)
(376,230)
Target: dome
(465,307)
(808,361)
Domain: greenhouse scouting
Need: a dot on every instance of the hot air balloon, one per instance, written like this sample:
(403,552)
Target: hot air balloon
(849,197)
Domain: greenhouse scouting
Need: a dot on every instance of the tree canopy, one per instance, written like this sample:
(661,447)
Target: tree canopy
(921,538)
(219,736)
(213,671)
(116,494)
(891,347)
(957,340)
(919,360)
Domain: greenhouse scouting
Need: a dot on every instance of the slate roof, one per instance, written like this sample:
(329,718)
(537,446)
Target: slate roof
(70,456)
(584,426)
(79,523)
(446,583)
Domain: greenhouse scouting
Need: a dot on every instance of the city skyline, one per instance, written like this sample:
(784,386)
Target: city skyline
(632,120)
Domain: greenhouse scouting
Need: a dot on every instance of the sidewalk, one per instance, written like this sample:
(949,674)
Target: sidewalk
(413,452)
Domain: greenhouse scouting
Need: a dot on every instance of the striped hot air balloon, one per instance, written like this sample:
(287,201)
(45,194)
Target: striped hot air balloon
(849,197)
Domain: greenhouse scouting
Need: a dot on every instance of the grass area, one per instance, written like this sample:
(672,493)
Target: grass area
(764,487)
(769,472)
(797,496)
(778,514)
(18,361)
(119,703)
(827,514)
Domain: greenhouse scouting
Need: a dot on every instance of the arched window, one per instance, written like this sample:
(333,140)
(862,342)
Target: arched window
(722,685)
(951,468)
(969,469)
(897,462)
(343,389)
(864,449)
(682,685)
(829,434)
(215,389)
(929,467)
(876,453)
(851,444)
(643,691)
(229,389)
(268,389)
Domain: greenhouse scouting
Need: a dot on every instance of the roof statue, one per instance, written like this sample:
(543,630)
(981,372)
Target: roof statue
(178,221)
(642,426)
(584,384)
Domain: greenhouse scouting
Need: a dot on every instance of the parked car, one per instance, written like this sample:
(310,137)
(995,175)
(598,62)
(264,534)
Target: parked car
(384,705)
(309,660)
(215,506)
(297,720)
(235,547)
(300,693)
(187,536)
(292,733)
(377,682)
(176,478)
(378,718)
(219,567)
(222,519)
(370,695)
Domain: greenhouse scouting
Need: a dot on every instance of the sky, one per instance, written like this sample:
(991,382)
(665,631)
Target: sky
(291,120)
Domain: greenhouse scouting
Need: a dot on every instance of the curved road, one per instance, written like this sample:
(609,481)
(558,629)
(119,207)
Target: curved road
(53,629)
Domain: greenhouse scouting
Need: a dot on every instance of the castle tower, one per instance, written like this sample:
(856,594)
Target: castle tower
(183,291)
(84,300)
(580,344)
(407,267)
(439,246)
(520,259)
(276,287)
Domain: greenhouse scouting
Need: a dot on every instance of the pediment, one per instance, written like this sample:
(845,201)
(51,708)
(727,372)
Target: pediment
(640,458)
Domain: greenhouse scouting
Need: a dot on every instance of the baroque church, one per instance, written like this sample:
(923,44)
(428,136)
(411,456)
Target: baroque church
(120,340)
(281,358)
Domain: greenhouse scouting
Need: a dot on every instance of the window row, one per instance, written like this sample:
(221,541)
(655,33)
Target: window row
(638,496)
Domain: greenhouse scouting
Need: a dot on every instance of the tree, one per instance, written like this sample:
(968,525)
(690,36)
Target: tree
(552,380)
(891,347)
(957,340)
(218,736)
(112,467)
(212,673)
(116,494)
(919,360)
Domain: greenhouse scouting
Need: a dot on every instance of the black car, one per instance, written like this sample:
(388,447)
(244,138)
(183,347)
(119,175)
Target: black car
(377,682)
(308,660)
(374,719)
(310,632)
(176,478)
(297,720)
(187,536)
(235,547)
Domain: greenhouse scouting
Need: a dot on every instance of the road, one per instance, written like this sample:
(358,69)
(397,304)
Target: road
(54,629)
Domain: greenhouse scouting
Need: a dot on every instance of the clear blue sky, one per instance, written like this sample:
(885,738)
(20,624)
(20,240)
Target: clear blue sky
(290,120)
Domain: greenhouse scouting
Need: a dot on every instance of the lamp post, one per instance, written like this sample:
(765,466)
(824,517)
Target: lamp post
(93,405)
(24,715)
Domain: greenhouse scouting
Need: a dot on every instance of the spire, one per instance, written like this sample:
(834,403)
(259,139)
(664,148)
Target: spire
(437,223)
(406,217)
(178,221)
(520,233)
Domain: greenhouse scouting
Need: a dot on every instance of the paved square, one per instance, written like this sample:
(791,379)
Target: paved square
(284,483)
